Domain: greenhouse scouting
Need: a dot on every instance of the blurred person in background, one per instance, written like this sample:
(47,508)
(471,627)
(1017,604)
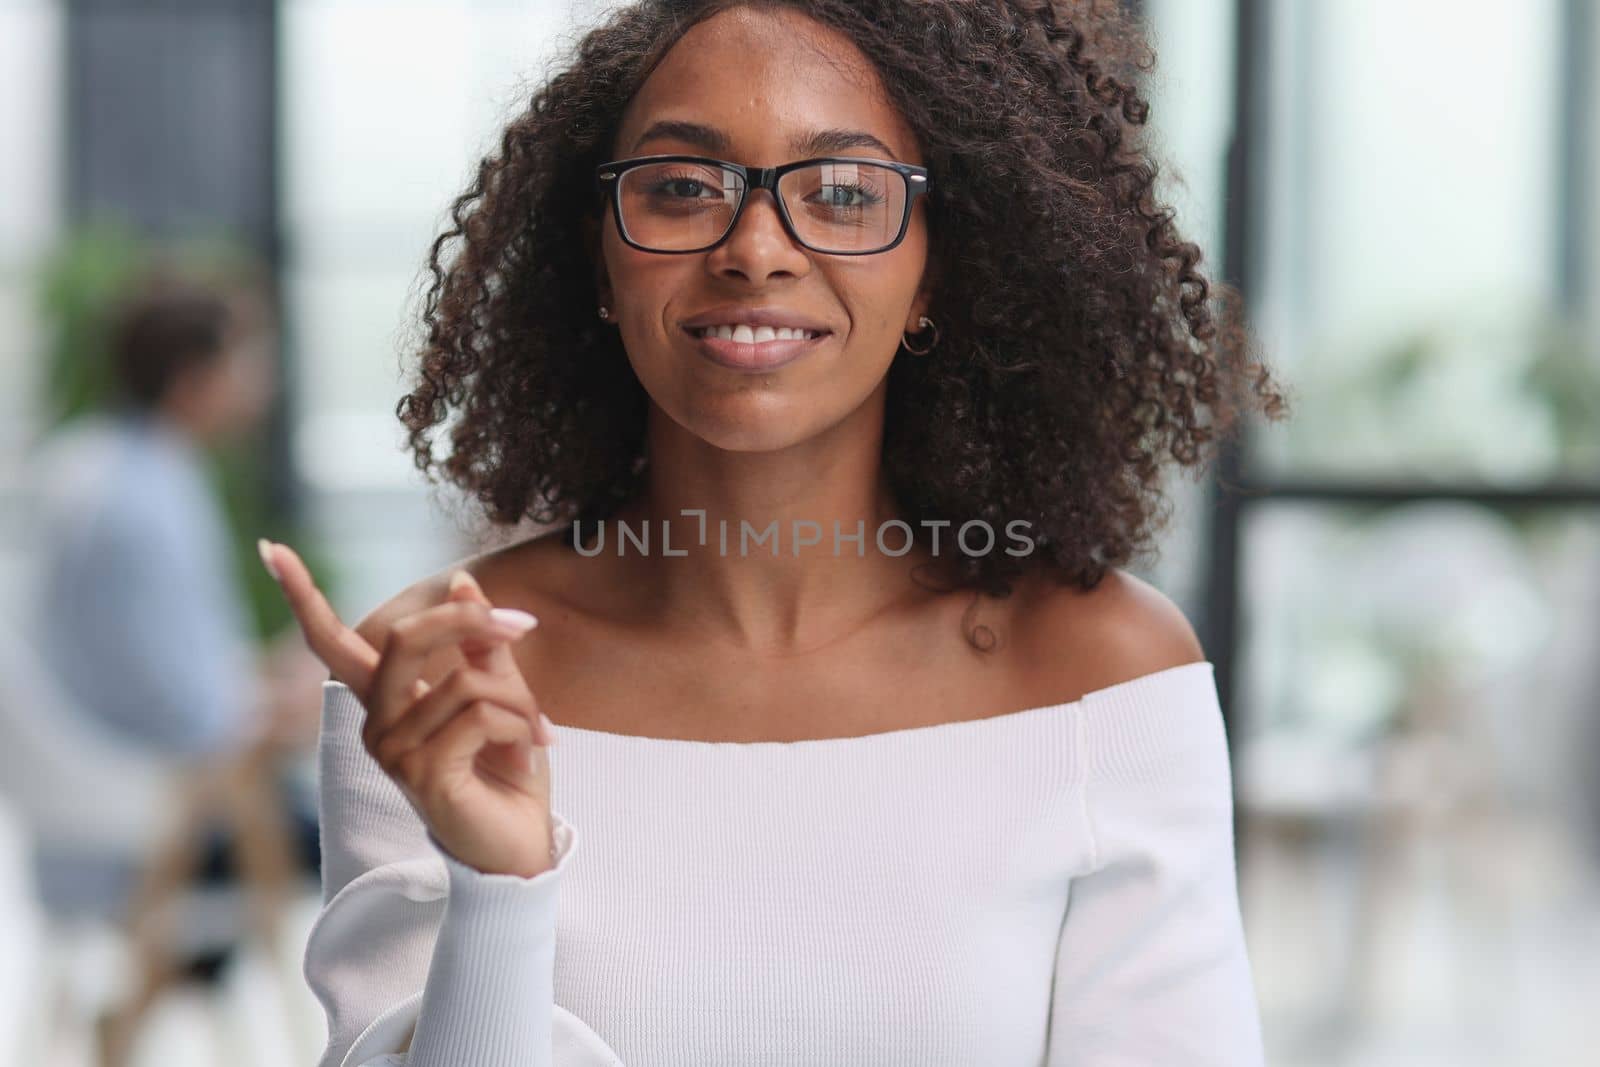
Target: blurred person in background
(138,609)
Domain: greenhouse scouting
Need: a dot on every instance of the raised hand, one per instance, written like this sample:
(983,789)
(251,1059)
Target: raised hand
(469,753)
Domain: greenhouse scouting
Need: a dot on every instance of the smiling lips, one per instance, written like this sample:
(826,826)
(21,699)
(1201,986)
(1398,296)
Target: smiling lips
(753,348)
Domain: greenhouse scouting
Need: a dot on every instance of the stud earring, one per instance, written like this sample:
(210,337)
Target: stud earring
(605,312)
(927,324)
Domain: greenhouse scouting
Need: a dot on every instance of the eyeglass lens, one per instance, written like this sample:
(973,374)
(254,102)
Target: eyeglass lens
(835,207)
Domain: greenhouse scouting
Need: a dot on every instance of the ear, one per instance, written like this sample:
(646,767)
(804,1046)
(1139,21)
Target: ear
(923,300)
(919,308)
(932,281)
(592,247)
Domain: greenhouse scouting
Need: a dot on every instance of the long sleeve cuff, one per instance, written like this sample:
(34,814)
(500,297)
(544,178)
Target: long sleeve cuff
(490,988)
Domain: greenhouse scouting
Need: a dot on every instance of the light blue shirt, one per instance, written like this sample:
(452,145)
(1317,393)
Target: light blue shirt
(140,612)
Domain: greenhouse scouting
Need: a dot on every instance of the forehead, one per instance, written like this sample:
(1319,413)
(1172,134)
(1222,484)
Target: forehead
(766,80)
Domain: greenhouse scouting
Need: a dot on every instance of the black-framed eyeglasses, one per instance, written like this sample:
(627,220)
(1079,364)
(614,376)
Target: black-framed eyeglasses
(835,205)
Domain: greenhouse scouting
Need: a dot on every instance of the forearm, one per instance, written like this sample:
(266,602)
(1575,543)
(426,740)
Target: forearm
(490,990)
(410,941)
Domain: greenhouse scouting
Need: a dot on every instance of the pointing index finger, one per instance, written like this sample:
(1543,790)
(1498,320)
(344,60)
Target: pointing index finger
(349,657)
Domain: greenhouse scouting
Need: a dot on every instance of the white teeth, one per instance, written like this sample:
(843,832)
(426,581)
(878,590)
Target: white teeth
(748,335)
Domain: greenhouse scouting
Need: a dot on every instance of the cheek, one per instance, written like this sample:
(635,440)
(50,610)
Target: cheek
(642,284)
(878,296)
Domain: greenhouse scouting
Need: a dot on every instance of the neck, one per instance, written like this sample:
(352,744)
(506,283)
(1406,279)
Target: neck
(172,419)
(729,585)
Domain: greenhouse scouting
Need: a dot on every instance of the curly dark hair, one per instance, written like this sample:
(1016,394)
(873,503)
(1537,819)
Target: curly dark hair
(1080,348)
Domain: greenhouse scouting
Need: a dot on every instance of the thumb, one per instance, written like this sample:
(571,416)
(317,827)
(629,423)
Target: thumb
(488,655)
(463,586)
(492,656)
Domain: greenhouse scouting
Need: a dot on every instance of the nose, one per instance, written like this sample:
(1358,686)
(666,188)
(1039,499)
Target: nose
(759,247)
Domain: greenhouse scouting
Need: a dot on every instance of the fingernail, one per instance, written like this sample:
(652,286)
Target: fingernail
(263,546)
(459,580)
(549,728)
(518,622)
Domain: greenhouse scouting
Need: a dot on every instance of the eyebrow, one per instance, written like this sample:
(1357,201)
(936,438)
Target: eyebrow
(815,143)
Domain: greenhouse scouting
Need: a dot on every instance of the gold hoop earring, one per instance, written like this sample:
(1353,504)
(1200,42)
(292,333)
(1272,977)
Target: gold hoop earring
(927,324)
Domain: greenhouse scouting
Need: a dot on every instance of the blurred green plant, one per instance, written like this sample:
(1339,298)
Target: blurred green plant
(80,283)
(1565,375)
(1501,395)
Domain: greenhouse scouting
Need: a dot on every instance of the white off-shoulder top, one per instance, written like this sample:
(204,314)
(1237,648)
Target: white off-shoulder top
(1040,888)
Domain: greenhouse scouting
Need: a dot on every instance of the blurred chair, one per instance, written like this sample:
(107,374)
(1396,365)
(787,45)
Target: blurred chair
(72,787)
(75,788)
(241,796)
(1362,820)
(66,777)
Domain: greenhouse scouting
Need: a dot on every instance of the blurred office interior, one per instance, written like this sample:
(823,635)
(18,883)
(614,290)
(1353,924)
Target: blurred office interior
(1400,588)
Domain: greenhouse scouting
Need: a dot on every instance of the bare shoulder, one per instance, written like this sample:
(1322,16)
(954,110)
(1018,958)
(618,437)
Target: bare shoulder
(1077,641)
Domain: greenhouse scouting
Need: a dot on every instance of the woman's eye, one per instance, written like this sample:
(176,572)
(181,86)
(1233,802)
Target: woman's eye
(847,196)
(684,188)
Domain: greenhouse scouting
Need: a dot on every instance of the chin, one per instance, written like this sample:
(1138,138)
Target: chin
(732,425)
(751,437)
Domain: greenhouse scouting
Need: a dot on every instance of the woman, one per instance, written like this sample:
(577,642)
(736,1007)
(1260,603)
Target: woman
(926,797)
